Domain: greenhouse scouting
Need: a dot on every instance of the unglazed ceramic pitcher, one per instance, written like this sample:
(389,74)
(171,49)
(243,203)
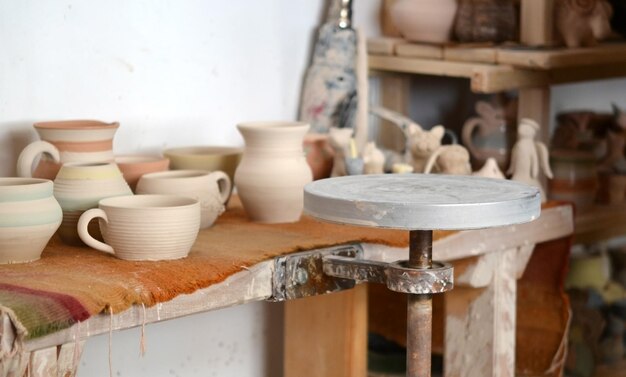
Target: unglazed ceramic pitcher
(79,186)
(67,141)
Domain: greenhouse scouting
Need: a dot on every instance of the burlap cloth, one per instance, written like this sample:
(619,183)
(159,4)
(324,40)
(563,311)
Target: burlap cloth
(70,284)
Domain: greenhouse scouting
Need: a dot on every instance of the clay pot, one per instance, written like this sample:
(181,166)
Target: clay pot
(575,178)
(144,227)
(319,155)
(29,216)
(67,141)
(424,20)
(211,189)
(79,186)
(134,166)
(273,171)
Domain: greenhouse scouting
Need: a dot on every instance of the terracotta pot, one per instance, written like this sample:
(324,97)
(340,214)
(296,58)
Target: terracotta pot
(424,20)
(144,227)
(319,155)
(211,189)
(67,141)
(273,171)
(29,216)
(79,186)
(134,166)
(575,178)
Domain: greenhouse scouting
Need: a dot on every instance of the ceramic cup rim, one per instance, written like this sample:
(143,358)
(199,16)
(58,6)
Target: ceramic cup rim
(274,126)
(132,159)
(75,124)
(15,181)
(177,174)
(138,202)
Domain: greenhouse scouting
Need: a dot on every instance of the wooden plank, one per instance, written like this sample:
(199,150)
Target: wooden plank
(395,96)
(327,335)
(254,284)
(417,50)
(387,26)
(422,66)
(470,53)
(600,223)
(494,79)
(536,22)
(383,45)
(480,324)
(608,53)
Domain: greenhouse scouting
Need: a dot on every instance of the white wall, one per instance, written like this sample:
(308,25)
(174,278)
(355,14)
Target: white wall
(182,72)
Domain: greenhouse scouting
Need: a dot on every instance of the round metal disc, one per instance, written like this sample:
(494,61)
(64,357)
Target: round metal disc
(422,201)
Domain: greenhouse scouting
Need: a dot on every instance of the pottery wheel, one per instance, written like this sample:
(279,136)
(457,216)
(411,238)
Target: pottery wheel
(422,201)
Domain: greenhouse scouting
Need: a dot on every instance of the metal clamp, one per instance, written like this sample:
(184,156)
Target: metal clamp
(397,276)
(302,274)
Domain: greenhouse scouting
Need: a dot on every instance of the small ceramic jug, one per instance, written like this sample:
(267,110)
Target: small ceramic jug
(29,216)
(211,189)
(67,141)
(79,186)
(273,171)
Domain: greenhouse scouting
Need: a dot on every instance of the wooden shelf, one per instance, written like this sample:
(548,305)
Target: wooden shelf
(494,69)
(600,223)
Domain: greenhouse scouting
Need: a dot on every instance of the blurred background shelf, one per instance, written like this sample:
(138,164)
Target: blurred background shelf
(600,223)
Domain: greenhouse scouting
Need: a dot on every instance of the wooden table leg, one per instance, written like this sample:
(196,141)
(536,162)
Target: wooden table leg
(480,322)
(326,335)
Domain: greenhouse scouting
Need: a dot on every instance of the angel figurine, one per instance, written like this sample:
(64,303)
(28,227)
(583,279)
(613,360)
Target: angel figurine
(528,156)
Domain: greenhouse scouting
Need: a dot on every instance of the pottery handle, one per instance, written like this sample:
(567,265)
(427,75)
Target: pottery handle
(28,155)
(223,184)
(83,231)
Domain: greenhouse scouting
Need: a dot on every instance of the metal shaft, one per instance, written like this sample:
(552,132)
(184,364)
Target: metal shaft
(419,309)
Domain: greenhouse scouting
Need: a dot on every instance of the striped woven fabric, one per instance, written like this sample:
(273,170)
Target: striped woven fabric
(70,284)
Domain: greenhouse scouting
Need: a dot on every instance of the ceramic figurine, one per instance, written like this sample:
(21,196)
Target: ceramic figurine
(422,144)
(528,156)
(449,159)
(373,158)
(273,171)
(614,160)
(490,170)
(485,136)
(582,23)
(339,139)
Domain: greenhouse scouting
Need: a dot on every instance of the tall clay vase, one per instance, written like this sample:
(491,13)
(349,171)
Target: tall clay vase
(273,171)
(79,186)
(29,216)
(67,141)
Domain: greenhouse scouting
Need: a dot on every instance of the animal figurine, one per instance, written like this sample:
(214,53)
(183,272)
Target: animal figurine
(485,136)
(422,144)
(373,159)
(582,23)
(490,170)
(339,139)
(449,159)
(528,156)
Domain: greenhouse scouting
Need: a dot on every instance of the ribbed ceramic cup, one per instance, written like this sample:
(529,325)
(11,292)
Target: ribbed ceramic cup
(144,227)
(67,141)
(29,216)
(211,189)
(79,186)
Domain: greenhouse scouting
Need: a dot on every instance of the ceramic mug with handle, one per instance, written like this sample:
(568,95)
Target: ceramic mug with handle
(211,189)
(144,227)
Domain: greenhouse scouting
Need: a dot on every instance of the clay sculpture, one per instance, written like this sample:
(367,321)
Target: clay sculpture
(449,159)
(582,23)
(339,139)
